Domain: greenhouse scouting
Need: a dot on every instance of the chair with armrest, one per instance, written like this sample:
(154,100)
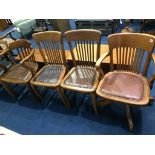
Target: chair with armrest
(83,77)
(50,44)
(127,82)
(20,72)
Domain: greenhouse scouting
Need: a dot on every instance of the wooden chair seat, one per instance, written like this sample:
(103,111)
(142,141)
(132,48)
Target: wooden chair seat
(81,78)
(49,75)
(124,86)
(19,74)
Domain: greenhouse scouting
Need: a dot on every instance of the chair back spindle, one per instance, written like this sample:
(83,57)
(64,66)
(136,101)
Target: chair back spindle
(131,51)
(50,44)
(84,46)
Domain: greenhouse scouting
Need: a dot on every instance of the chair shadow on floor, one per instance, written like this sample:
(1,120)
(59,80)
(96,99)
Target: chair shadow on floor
(113,114)
(57,105)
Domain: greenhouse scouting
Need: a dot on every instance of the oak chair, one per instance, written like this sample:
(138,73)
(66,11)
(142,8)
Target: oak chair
(83,77)
(127,82)
(51,47)
(20,72)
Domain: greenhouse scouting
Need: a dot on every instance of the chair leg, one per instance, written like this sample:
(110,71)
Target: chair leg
(65,98)
(61,94)
(93,95)
(129,117)
(9,90)
(35,92)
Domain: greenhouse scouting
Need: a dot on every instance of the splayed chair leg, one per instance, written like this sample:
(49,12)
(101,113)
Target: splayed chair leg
(36,92)
(94,102)
(129,117)
(9,90)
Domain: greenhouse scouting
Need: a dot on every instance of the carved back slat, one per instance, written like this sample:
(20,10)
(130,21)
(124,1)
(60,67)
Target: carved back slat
(50,44)
(87,46)
(129,49)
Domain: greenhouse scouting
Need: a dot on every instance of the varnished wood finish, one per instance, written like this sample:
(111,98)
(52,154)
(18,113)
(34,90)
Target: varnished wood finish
(129,51)
(152,78)
(50,44)
(87,46)
(22,72)
(84,56)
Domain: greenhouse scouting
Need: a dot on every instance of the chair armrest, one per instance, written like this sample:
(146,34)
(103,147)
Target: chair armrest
(27,57)
(152,78)
(99,61)
(22,62)
(9,33)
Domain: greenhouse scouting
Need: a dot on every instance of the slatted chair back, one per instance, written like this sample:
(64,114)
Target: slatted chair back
(87,46)
(23,48)
(50,44)
(131,51)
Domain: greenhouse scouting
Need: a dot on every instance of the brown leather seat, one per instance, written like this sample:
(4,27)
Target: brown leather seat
(18,73)
(82,77)
(49,74)
(125,85)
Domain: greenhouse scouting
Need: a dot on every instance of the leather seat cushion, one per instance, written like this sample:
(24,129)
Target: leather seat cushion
(123,85)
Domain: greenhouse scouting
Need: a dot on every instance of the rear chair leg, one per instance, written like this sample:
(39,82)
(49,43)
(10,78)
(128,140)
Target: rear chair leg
(64,98)
(93,95)
(35,92)
(129,117)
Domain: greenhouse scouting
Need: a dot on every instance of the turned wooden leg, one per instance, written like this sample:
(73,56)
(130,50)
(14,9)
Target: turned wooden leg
(94,102)
(36,92)
(9,90)
(129,117)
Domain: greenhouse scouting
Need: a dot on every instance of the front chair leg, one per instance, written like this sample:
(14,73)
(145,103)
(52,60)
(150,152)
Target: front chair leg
(94,102)
(129,117)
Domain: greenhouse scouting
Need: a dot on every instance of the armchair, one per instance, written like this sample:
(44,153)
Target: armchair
(126,82)
(22,72)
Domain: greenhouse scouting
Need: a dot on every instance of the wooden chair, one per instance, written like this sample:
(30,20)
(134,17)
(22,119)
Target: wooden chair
(51,47)
(20,72)
(83,77)
(127,82)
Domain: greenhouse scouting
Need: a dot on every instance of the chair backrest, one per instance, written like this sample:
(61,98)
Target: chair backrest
(86,44)
(131,51)
(23,48)
(50,44)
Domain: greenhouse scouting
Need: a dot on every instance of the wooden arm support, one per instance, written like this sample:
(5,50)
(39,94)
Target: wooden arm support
(99,61)
(26,59)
